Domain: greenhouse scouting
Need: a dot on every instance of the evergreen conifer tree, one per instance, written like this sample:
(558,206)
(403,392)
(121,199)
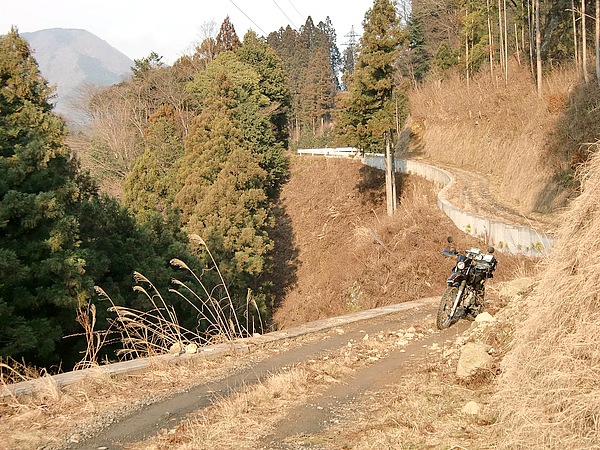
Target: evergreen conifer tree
(41,265)
(226,177)
(368,110)
(151,185)
(227,39)
(272,83)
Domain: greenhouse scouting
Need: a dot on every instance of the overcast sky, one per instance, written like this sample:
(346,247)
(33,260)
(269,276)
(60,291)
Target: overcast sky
(171,27)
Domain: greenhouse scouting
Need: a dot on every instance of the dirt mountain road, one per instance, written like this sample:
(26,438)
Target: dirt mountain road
(304,424)
(400,343)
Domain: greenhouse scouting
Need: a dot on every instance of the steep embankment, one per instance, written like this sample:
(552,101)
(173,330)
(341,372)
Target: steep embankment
(501,131)
(551,379)
(350,255)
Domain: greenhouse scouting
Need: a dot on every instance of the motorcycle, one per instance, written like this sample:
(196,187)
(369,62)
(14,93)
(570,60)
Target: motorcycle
(464,296)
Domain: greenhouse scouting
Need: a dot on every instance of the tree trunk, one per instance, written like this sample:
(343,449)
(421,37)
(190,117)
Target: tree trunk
(517,45)
(390,179)
(586,75)
(598,42)
(467,49)
(505,45)
(397,116)
(501,33)
(575,41)
(523,36)
(538,47)
(530,21)
(491,40)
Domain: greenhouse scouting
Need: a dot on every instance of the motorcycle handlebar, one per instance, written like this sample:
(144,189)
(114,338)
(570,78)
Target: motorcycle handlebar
(449,253)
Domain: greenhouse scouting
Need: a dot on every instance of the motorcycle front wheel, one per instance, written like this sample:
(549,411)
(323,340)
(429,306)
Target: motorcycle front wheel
(443,314)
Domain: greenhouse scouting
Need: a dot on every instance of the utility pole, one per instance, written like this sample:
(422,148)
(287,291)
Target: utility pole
(390,178)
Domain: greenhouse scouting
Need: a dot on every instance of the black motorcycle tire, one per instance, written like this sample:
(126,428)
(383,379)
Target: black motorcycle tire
(443,314)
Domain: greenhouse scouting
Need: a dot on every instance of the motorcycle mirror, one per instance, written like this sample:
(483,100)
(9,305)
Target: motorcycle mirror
(450,240)
(490,249)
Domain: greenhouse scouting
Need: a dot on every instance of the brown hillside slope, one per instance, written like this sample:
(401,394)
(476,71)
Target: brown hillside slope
(351,256)
(550,388)
(504,132)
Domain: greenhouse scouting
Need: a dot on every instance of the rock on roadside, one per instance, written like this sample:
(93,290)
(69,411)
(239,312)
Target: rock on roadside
(473,356)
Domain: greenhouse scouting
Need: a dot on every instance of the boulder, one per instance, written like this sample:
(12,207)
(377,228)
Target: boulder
(191,348)
(473,356)
(472,408)
(175,349)
(485,317)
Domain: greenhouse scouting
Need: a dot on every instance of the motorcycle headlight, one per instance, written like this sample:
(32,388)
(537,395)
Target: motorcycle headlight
(461,265)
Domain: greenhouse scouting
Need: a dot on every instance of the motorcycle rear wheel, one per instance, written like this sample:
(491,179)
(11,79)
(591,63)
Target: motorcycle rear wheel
(443,314)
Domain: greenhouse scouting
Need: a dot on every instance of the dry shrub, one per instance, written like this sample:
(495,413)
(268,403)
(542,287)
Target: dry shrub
(157,331)
(497,130)
(58,417)
(13,371)
(549,394)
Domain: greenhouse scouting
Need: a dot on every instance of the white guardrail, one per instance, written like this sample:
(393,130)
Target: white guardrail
(342,152)
(505,237)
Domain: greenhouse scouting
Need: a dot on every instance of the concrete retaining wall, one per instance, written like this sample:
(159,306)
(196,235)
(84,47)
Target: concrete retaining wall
(505,237)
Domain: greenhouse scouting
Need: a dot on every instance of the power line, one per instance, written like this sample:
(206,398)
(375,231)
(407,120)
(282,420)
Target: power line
(299,13)
(286,16)
(263,31)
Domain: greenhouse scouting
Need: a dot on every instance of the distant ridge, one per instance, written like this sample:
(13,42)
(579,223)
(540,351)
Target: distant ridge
(71,59)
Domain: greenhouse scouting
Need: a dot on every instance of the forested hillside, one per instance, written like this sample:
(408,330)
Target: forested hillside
(188,161)
(60,236)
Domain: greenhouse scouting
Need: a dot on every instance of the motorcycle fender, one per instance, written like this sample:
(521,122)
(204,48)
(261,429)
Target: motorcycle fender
(455,279)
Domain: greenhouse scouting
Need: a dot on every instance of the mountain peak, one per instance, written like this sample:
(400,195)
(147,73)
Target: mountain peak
(71,59)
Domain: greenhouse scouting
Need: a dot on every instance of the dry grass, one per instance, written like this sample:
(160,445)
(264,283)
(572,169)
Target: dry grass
(55,416)
(549,394)
(499,131)
(156,331)
(246,419)
(12,371)
(352,256)
(422,410)
(238,421)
